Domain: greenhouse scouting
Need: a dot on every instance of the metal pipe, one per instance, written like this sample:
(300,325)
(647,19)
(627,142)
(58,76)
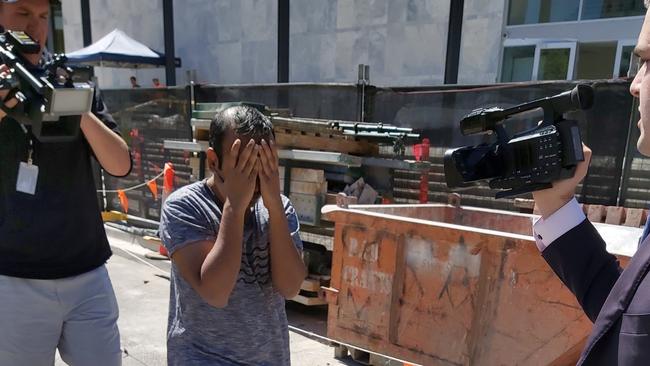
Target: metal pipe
(370,127)
(86,25)
(380,134)
(170,51)
(284,18)
(454,36)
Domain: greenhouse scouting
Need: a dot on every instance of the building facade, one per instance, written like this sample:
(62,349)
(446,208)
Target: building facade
(403,41)
(569,39)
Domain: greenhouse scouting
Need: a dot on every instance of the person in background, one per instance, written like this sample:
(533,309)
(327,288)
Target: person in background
(157,84)
(134,82)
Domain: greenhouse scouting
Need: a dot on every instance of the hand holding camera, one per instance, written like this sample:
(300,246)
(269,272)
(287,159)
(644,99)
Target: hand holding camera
(12,102)
(548,201)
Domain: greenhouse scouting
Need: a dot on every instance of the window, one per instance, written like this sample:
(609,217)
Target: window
(541,60)
(598,9)
(548,11)
(518,64)
(623,59)
(554,64)
(555,61)
(526,60)
(596,60)
(542,11)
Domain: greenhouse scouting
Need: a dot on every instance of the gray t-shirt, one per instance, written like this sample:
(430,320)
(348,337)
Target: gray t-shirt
(252,329)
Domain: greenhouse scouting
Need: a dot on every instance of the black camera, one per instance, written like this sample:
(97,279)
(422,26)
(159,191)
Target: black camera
(49,101)
(528,161)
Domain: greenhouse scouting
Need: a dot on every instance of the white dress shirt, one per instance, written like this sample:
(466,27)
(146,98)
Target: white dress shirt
(558,224)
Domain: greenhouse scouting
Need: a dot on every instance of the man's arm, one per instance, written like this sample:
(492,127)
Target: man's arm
(579,256)
(581,261)
(109,148)
(287,268)
(211,268)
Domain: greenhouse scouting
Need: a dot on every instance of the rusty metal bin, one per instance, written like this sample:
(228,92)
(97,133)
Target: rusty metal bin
(445,285)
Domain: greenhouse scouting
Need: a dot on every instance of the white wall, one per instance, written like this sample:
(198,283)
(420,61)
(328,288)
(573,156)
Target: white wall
(232,42)
(403,41)
(226,41)
(481,42)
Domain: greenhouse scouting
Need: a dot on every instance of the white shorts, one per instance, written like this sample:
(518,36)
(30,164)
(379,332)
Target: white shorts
(78,315)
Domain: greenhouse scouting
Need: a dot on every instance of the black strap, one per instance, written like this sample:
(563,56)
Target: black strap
(29,136)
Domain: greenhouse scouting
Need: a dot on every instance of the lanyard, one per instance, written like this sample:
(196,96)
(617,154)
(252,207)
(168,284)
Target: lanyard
(30,142)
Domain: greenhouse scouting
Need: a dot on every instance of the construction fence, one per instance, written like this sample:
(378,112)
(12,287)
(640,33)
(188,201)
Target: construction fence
(618,174)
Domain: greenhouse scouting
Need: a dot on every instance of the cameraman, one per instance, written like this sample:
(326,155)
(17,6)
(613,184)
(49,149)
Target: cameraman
(616,300)
(55,289)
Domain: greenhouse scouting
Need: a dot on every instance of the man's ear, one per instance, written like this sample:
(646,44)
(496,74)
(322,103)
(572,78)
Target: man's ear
(213,162)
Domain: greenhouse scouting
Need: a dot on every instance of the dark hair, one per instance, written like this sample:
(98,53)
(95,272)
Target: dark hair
(245,121)
(133,78)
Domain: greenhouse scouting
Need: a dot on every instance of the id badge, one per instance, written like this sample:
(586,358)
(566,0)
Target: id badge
(27,178)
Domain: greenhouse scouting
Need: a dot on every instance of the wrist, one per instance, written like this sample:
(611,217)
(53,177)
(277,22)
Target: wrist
(234,209)
(549,206)
(275,207)
(85,119)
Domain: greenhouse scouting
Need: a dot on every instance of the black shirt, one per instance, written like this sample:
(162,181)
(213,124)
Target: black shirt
(58,232)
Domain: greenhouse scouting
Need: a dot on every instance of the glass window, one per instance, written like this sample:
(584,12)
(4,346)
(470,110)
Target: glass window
(597,9)
(554,64)
(518,63)
(626,58)
(542,11)
(596,60)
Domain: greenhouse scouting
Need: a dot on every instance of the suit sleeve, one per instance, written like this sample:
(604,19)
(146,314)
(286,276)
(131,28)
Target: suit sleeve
(580,259)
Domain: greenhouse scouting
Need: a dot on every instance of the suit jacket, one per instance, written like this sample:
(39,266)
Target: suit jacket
(616,300)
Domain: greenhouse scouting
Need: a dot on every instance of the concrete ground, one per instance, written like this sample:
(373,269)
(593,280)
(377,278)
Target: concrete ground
(143,296)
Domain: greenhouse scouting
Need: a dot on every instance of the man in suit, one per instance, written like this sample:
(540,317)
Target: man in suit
(616,300)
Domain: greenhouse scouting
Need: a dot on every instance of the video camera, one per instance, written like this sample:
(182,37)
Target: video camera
(528,161)
(50,102)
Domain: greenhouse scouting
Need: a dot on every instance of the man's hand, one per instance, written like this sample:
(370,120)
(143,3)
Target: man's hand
(550,200)
(240,170)
(5,73)
(269,176)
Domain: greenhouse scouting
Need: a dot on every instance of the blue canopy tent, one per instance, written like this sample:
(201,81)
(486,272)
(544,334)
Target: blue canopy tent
(117,49)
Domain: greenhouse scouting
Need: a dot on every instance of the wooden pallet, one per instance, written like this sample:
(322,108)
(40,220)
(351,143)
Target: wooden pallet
(290,139)
(310,293)
(295,135)
(363,357)
(309,300)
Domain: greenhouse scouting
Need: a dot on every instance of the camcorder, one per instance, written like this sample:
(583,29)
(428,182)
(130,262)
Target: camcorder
(528,161)
(49,101)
